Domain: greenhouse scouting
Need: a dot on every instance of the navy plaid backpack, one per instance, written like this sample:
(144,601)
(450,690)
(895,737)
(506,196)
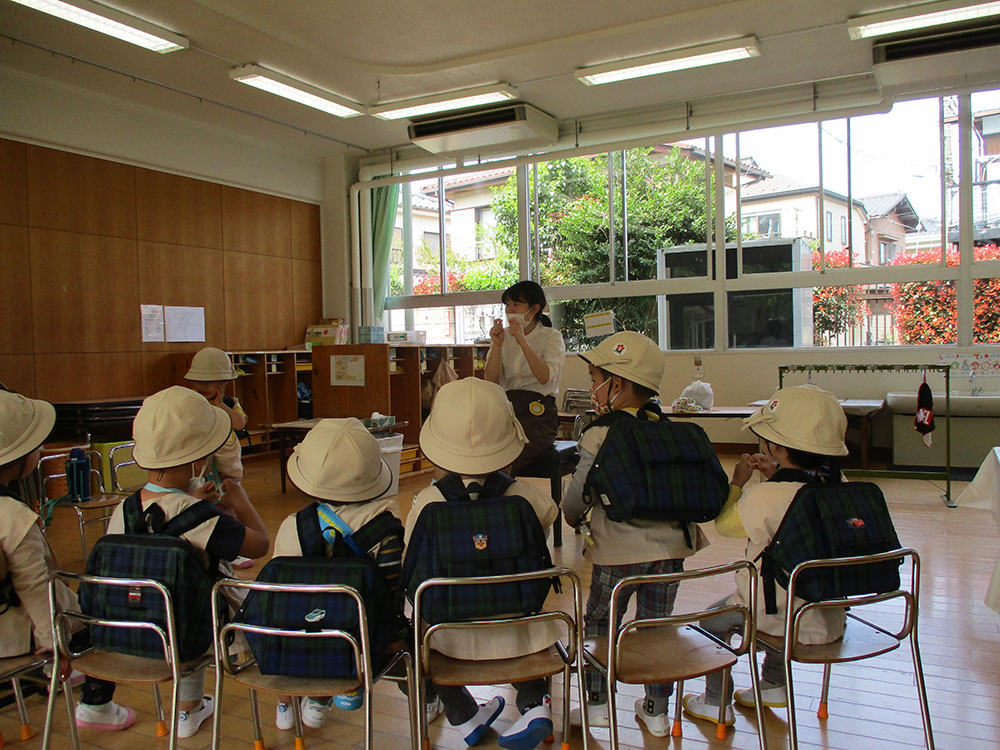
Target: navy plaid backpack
(349,561)
(495,534)
(657,469)
(161,556)
(838,519)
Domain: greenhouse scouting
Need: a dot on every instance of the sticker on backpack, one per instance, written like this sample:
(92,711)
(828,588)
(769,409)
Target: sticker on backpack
(480,540)
(316,615)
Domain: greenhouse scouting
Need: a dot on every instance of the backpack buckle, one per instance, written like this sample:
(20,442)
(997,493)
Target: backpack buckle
(134,596)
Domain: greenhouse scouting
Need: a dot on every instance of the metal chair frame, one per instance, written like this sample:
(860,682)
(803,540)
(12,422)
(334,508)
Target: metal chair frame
(11,668)
(106,503)
(613,663)
(175,669)
(116,466)
(801,652)
(571,655)
(297,686)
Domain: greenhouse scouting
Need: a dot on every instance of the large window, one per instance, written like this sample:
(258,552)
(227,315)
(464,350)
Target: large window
(811,235)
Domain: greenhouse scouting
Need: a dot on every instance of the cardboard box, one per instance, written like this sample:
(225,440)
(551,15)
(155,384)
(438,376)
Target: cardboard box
(332,331)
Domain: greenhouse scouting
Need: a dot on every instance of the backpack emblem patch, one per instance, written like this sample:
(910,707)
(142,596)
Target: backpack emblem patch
(316,615)
(480,540)
(856,523)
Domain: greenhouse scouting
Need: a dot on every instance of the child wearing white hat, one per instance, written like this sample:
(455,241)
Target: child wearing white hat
(27,561)
(472,432)
(801,435)
(625,373)
(210,374)
(339,463)
(176,432)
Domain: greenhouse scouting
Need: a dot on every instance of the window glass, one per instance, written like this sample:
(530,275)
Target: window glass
(986,308)
(414,260)
(449,325)
(687,321)
(567,316)
(986,166)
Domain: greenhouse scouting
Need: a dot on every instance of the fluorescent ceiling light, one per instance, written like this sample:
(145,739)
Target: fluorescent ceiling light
(919,17)
(297,91)
(445,102)
(111,22)
(668,62)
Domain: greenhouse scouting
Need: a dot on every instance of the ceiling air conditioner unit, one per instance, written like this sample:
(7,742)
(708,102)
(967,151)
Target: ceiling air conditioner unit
(951,58)
(508,127)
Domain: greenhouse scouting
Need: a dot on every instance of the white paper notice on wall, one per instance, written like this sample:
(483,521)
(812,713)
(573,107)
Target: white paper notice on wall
(347,369)
(152,322)
(184,323)
(599,324)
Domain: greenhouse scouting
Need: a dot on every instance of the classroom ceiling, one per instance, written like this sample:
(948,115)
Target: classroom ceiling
(383,50)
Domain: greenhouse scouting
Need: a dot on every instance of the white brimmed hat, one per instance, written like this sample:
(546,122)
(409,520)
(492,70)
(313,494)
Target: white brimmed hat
(802,417)
(24,425)
(472,428)
(177,426)
(629,355)
(211,364)
(340,460)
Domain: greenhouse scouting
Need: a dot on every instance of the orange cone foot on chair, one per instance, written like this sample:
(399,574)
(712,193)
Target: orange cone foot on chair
(259,745)
(720,731)
(675,730)
(821,711)
(300,743)
(161,729)
(565,746)
(26,732)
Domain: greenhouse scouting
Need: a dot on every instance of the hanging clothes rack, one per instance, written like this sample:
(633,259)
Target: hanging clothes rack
(922,368)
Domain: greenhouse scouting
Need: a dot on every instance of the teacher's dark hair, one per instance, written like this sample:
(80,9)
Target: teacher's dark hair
(531,294)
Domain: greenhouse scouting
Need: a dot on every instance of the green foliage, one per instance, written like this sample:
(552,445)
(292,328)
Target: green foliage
(835,308)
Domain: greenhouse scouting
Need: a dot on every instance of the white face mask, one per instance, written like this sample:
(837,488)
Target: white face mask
(524,320)
(197,481)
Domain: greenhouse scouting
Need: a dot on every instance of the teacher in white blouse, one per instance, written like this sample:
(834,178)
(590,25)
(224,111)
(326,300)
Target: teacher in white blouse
(526,360)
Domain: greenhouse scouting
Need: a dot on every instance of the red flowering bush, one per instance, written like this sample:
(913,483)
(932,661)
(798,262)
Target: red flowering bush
(925,311)
(835,308)
(431,283)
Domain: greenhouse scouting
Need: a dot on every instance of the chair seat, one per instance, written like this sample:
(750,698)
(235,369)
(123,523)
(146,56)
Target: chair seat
(100,501)
(108,665)
(447,670)
(663,654)
(286,685)
(15,665)
(860,641)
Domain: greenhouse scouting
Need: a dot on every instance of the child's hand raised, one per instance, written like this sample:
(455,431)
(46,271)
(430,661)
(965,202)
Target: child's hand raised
(764,464)
(208,491)
(743,470)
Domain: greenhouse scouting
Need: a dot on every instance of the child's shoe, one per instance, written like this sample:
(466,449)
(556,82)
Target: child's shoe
(597,715)
(284,716)
(314,712)
(771,695)
(349,701)
(528,731)
(241,563)
(473,730)
(107,717)
(696,707)
(188,722)
(657,725)
(433,708)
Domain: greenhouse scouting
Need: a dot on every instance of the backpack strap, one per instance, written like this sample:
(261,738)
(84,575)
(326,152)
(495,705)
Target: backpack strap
(310,532)
(133,514)
(328,519)
(767,572)
(190,518)
(453,489)
(385,532)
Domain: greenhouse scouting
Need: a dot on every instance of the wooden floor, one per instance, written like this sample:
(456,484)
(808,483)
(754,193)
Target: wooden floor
(873,703)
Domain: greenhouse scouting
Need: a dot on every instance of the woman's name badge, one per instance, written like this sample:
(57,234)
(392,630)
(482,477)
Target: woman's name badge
(537,408)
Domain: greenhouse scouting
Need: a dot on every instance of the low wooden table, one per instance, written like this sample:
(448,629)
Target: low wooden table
(299,428)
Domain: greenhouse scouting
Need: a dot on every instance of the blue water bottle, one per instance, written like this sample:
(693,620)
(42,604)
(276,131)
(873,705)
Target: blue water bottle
(71,492)
(78,475)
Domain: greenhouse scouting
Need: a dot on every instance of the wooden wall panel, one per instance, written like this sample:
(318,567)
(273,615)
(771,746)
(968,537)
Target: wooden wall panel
(17,372)
(190,276)
(84,293)
(307,296)
(69,377)
(258,292)
(157,373)
(16,335)
(80,193)
(256,223)
(13,183)
(177,210)
(306,243)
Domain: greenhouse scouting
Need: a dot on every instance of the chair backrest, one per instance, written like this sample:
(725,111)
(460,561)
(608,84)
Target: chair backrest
(909,592)
(123,478)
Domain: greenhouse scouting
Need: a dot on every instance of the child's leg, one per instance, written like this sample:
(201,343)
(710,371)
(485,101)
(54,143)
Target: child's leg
(657,600)
(531,693)
(459,705)
(722,627)
(192,689)
(772,670)
(596,624)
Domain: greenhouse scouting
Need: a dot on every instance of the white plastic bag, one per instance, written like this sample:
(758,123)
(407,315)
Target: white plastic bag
(695,397)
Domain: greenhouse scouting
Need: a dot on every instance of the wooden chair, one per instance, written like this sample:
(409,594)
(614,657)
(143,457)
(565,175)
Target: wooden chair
(116,667)
(673,648)
(247,672)
(553,464)
(862,639)
(446,670)
(11,669)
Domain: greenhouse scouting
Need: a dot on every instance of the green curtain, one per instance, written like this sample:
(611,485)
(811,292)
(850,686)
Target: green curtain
(384,202)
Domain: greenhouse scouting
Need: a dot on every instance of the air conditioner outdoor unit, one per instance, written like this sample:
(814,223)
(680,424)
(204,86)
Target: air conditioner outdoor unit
(509,127)
(951,58)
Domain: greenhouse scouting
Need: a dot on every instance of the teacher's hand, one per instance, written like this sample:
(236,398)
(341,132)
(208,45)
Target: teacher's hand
(496,332)
(516,329)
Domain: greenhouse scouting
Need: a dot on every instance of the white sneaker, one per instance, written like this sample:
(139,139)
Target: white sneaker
(189,721)
(284,717)
(433,709)
(473,730)
(657,725)
(314,712)
(696,707)
(108,717)
(771,695)
(528,731)
(597,715)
